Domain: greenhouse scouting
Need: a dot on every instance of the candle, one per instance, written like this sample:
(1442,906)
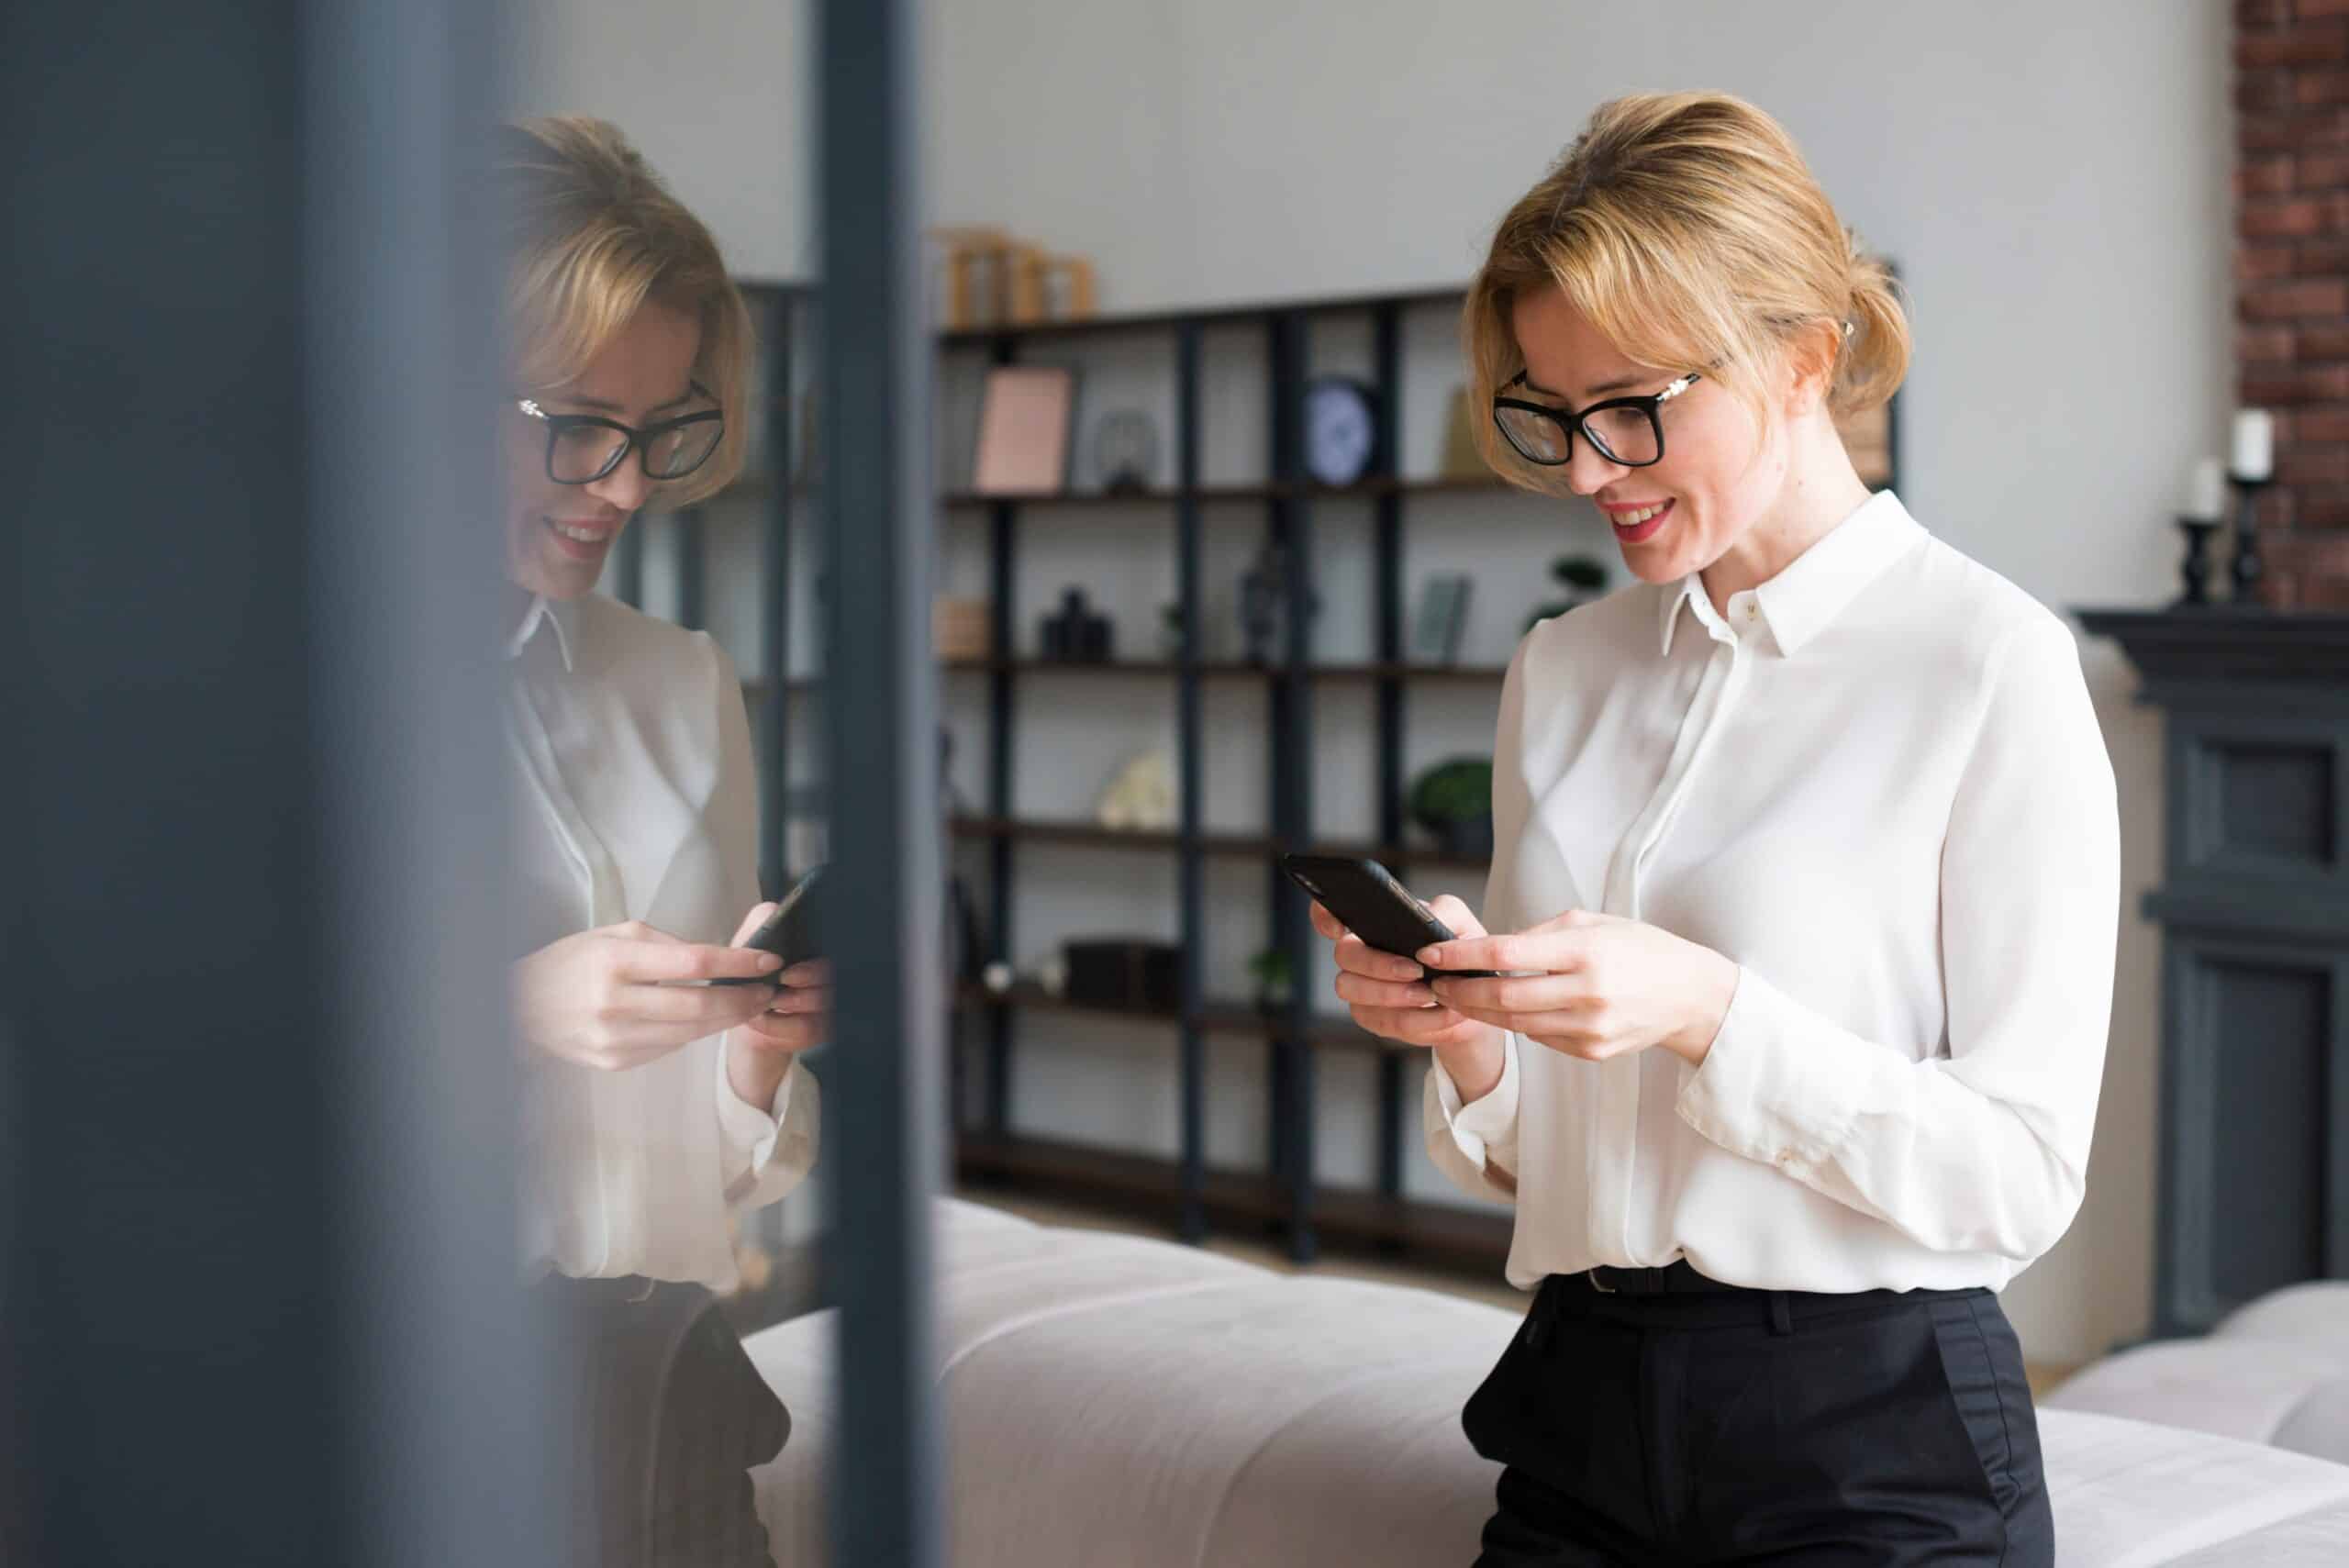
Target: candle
(2255,448)
(2206,492)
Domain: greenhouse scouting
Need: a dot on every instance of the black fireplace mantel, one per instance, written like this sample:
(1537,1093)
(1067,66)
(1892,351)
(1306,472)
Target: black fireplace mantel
(2254,905)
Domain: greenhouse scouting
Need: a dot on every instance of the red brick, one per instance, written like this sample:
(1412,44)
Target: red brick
(2321,257)
(2319,43)
(2314,427)
(2264,264)
(2323,340)
(2265,177)
(2313,465)
(2305,296)
(2251,13)
(2283,387)
(2317,10)
(2320,171)
(2295,218)
(2265,91)
(2314,88)
(2324,506)
(2266,344)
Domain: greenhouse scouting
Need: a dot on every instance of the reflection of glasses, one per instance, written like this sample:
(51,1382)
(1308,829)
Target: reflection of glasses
(582,448)
(1626,430)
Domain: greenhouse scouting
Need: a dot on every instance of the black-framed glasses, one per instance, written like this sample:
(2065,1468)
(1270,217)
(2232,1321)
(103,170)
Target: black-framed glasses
(1625,430)
(584,448)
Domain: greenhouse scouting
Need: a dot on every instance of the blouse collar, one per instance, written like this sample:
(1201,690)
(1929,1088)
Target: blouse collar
(1807,595)
(554,613)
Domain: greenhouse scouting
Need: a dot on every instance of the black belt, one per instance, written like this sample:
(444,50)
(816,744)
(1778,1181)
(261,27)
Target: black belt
(1672,1279)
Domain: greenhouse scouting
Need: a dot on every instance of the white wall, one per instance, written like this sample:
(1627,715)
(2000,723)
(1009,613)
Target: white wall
(2052,179)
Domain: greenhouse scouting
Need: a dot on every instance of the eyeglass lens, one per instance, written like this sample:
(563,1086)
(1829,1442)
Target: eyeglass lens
(1627,435)
(583,452)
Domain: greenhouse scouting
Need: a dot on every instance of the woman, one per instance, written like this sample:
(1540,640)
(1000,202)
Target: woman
(1806,858)
(652,1106)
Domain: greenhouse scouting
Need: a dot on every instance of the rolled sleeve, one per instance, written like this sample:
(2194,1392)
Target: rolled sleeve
(1467,1141)
(767,1153)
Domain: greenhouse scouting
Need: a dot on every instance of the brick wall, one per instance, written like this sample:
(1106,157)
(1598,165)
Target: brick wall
(2291,59)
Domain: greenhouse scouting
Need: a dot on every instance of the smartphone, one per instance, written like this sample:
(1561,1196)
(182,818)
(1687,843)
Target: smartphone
(1367,899)
(789,933)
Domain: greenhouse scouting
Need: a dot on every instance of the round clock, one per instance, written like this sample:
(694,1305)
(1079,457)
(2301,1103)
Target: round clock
(1125,451)
(1341,429)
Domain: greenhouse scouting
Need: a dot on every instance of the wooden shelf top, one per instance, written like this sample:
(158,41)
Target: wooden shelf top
(1206,316)
(1384,485)
(1461,1237)
(1215,1017)
(1225,669)
(1213,843)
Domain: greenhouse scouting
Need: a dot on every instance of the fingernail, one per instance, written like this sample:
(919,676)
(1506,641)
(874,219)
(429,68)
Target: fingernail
(770,962)
(1432,956)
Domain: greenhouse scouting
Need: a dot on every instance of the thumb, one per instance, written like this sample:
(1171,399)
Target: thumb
(752,922)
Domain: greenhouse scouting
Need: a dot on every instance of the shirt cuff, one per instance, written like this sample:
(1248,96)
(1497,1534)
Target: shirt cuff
(750,1134)
(1772,1088)
(1487,1126)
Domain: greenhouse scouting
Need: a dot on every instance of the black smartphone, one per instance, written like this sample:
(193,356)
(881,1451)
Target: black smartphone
(1366,897)
(789,933)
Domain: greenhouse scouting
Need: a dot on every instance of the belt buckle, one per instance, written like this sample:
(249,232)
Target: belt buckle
(1598,1285)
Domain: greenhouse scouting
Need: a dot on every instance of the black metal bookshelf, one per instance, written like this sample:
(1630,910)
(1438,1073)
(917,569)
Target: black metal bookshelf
(1285,504)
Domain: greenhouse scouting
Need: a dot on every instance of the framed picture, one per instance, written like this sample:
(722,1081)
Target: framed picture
(1442,616)
(1024,418)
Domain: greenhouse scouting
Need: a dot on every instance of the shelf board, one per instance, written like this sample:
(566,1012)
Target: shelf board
(1225,669)
(1216,1017)
(1209,494)
(1461,1237)
(1207,315)
(1237,844)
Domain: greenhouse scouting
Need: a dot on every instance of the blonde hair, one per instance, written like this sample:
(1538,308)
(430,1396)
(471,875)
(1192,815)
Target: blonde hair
(592,234)
(1687,228)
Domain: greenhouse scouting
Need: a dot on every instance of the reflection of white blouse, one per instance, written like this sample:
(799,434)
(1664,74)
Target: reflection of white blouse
(1878,786)
(637,802)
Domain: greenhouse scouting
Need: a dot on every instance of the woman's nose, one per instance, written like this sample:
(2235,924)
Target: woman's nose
(1589,470)
(624,488)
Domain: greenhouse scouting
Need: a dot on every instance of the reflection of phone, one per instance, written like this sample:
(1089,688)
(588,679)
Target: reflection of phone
(789,933)
(1369,902)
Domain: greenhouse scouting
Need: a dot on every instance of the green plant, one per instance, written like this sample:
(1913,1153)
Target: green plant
(1459,789)
(1583,577)
(1274,976)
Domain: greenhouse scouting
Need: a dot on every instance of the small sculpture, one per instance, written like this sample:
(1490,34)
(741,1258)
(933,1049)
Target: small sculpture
(1141,796)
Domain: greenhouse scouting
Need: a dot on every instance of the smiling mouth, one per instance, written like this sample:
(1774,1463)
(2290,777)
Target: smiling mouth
(1638,523)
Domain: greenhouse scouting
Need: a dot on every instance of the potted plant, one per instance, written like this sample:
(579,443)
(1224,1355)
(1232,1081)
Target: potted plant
(1275,979)
(1453,800)
(1580,577)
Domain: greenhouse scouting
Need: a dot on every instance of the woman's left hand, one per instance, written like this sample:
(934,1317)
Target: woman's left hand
(1599,986)
(799,1015)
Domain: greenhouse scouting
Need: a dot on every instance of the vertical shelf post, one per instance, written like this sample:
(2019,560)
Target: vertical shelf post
(774,864)
(1003,521)
(692,569)
(1388,356)
(1293,772)
(1190,746)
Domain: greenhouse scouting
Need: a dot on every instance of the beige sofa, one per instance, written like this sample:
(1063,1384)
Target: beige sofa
(1114,1400)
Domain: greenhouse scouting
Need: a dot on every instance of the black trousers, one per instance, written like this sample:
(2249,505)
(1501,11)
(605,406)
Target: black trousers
(664,1417)
(1884,1430)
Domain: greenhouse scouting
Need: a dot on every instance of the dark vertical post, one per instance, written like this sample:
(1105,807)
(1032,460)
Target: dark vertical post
(1192,746)
(627,570)
(692,572)
(1293,783)
(774,705)
(1003,521)
(250,658)
(2335,1204)
(1387,353)
(883,732)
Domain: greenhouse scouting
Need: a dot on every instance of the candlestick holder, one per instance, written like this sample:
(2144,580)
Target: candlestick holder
(2243,570)
(2195,570)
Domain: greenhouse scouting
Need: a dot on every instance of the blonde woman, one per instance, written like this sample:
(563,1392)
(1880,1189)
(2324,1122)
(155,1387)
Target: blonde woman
(653,1107)
(1806,872)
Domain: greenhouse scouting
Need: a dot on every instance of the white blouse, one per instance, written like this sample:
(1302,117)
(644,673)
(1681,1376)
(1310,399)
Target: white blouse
(1878,788)
(638,802)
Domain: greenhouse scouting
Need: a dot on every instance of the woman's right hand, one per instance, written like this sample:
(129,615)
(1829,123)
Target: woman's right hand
(598,998)
(1389,997)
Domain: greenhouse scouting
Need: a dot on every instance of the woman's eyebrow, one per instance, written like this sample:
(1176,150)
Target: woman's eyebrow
(1604,389)
(605,406)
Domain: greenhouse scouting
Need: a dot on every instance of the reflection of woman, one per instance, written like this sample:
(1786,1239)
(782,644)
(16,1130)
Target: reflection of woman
(653,1108)
(1807,853)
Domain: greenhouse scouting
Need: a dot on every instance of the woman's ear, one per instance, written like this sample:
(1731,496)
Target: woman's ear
(1810,367)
